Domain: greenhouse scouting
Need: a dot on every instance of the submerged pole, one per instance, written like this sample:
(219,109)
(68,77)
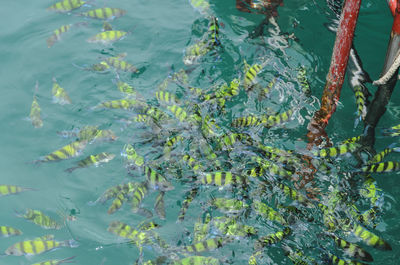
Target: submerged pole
(337,70)
(382,96)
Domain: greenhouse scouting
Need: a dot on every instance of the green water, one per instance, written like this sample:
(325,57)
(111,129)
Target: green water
(159,33)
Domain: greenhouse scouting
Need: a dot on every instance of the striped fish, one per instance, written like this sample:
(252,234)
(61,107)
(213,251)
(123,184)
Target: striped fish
(192,163)
(7,231)
(166,97)
(352,249)
(275,120)
(194,52)
(11,189)
(222,179)
(71,150)
(104,13)
(119,64)
(171,142)
(197,260)
(107,37)
(206,245)
(229,206)
(302,79)
(267,212)
(56,36)
(383,167)
(361,95)
(121,196)
(271,167)
(250,76)
(115,190)
(138,196)
(93,160)
(126,104)
(39,218)
(272,238)
(126,88)
(335,260)
(370,238)
(66,5)
(248,121)
(381,155)
(157,181)
(124,230)
(34,115)
(186,202)
(333,152)
(200,228)
(179,112)
(38,246)
(230,227)
(59,95)
(55,261)
(93,134)
(159,205)
(131,156)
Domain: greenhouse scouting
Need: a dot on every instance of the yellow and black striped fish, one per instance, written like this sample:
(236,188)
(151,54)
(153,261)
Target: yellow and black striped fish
(119,64)
(229,226)
(186,202)
(55,261)
(171,142)
(138,196)
(114,191)
(132,156)
(335,260)
(278,119)
(383,167)
(159,205)
(206,245)
(104,13)
(302,79)
(59,95)
(126,88)
(56,36)
(179,112)
(202,6)
(166,97)
(11,189)
(157,181)
(34,115)
(381,155)
(124,230)
(201,228)
(7,231)
(66,5)
(120,198)
(352,249)
(250,76)
(107,37)
(38,246)
(39,218)
(197,260)
(196,51)
(222,179)
(248,121)
(267,212)
(71,150)
(93,160)
(229,206)
(361,101)
(127,104)
(272,238)
(370,238)
(333,152)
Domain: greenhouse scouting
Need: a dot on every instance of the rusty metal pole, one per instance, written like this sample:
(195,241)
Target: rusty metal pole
(337,70)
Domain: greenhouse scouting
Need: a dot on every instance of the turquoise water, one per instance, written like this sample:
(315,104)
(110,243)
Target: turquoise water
(159,32)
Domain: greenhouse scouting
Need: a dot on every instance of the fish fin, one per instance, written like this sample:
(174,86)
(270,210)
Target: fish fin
(72,243)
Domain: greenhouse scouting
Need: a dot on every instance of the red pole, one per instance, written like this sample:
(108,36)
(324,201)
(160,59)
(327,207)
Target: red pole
(335,77)
(392,5)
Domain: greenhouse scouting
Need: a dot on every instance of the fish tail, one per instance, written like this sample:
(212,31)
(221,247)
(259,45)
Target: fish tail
(72,243)
(18,214)
(69,170)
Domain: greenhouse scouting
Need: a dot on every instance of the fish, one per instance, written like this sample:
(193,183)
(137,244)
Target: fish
(93,134)
(229,206)
(197,260)
(132,156)
(34,115)
(55,261)
(159,205)
(71,150)
(213,31)
(104,13)
(166,97)
(38,246)
(126,88)
(392,131)
(39,218)
(303,81)
(93,160)
(383,167)
(275,120)
(202,6)
(266,90)
(230,227)
(7,231)
(138,196)
(106,26)
(272,238)
(370,238)
(361,93)
(248,121)
(352,249)
(194,52)
(222,179)
(156,181)
(115,190)
(201,228)
(250,76)
(56,36)
(335,260)
(179,112)
(333,152)
(119,64)
(59,95)
(66,5)
(126,231)
(192,163)
(189,197)
(381,155)
(120,198)
(267,212)
(107,37)
(271,167)
(171,142)
(206,245)
(126,104)
(11,189)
